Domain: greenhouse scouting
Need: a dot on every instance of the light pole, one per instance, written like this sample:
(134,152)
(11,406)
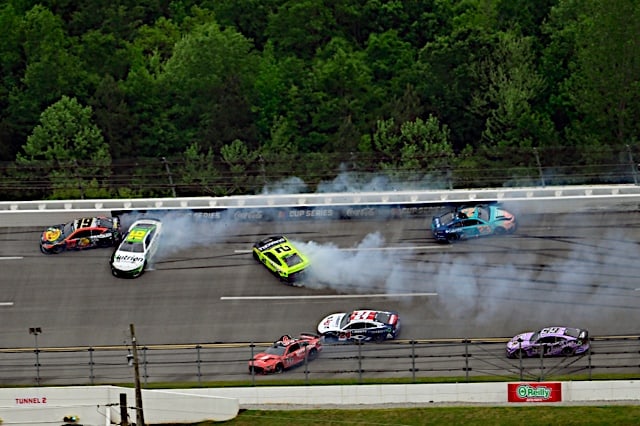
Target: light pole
(35,331)
(136,372)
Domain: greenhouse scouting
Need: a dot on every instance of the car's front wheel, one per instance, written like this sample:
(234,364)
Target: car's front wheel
(58,249)
(517,354)
(568,351)
(279,369)
(499,231)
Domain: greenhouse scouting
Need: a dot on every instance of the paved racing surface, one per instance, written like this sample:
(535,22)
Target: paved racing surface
(205,287)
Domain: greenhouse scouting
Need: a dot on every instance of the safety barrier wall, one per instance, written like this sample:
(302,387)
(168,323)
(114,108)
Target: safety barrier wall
(99,405)
(560,199)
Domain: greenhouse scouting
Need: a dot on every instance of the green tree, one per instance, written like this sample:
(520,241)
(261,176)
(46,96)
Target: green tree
(605,85)
(51,69)
(300,27)
(68,148)
(508,87)
(239,159)
(416,151)
(199,173)
(11,68)
(207,79)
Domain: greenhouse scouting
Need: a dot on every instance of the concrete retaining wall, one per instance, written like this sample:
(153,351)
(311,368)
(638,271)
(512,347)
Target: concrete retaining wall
(99,405)
(552,200)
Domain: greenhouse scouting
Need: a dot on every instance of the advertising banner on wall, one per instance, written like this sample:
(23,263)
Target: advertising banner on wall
(535,392)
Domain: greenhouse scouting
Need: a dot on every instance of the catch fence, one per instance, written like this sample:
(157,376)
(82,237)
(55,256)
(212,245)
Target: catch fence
(460,360)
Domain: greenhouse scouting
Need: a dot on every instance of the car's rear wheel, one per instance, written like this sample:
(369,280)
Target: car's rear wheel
(568,351)
(313,354)
(105,242)
(499,231)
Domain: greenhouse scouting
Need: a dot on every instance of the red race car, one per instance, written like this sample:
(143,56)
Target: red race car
(285,353)
(81,233)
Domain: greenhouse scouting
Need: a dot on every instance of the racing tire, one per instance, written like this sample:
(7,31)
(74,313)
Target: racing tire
(380,338)
(58,249)
(499,231)
(568,351)
(103,243)
(279,369)
(313,354)
(144,266)
(255,256)
(44,251)
(518,353)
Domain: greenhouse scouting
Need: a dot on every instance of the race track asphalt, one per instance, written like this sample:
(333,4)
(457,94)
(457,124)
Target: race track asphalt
(204,286)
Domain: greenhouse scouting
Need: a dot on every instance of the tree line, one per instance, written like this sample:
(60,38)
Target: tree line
(132,98)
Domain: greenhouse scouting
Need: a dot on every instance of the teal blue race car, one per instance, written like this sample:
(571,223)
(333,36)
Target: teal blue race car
(466,222)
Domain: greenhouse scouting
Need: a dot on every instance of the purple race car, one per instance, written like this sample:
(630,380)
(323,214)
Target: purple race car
(551,341)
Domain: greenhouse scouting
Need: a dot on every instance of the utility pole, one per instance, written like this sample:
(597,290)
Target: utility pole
(136,371)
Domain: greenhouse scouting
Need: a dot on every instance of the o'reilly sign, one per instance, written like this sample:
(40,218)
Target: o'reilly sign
(535,392)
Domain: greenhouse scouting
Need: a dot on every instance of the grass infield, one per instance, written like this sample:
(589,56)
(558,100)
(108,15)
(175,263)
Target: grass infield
(531,415)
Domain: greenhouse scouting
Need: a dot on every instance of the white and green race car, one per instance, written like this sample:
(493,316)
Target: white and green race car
(136,249)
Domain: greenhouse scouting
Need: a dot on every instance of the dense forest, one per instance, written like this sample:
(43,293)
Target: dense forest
(133,98)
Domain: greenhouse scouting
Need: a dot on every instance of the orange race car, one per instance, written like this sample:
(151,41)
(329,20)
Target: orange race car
(86,232)
(285,353)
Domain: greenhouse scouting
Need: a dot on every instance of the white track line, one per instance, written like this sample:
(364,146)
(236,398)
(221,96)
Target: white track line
(327,296)
(372,248)
(11,258)
(6,303)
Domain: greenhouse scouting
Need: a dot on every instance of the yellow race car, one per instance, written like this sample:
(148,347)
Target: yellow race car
(281,258)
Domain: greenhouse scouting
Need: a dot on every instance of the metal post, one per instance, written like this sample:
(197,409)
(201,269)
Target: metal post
(91,364)
(413,361)
(520,355)
(359,361)
(542,181)
(634,167)
(166,167)
(306,365)
(589,361)
(253,371)
(466,359)
(77,167)
(35,331)
(198,363)
(124,416)
(136,371)
(541,379)
(145,365)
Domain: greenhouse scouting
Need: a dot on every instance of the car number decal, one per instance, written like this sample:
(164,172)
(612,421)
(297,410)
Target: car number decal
(282,248)
(136,236)
(85,222)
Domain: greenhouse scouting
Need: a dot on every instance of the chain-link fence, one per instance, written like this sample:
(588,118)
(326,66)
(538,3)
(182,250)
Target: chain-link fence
(318,172)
